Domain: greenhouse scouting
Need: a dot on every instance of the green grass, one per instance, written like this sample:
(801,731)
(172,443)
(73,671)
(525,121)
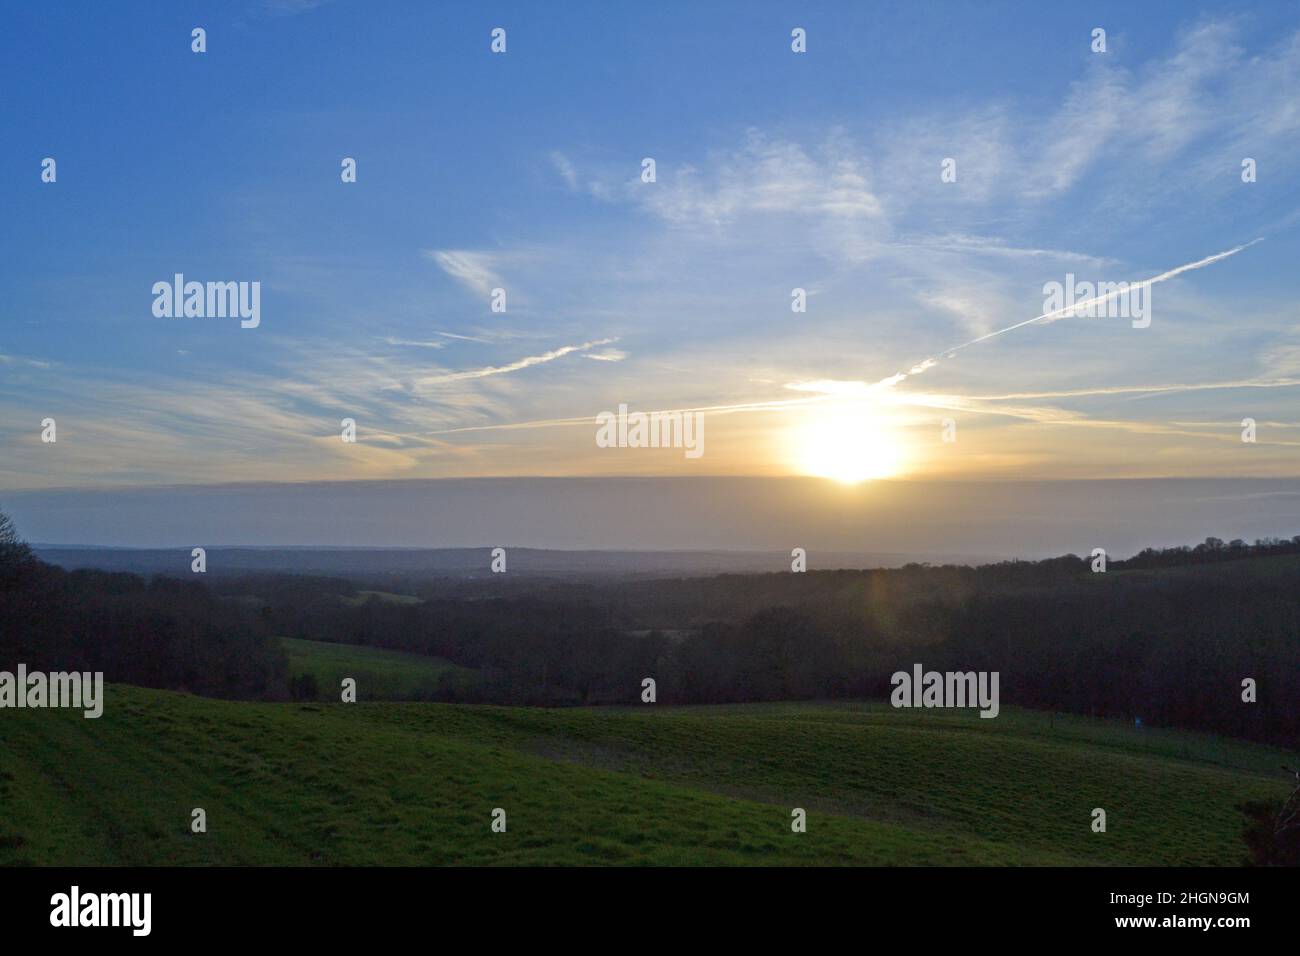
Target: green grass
(415,784)
(380,674)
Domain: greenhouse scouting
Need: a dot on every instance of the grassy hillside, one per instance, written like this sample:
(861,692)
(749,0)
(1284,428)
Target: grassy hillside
(380,674)
(415,784)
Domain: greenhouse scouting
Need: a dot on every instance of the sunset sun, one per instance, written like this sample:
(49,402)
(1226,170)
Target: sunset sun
(848,444)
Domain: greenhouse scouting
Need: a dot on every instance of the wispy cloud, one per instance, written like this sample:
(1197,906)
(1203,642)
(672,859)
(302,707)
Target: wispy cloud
(588,419)
(515,366)
(763,177)
(474,270)
(390,340)
(565,168)
(20,360)
(1141,389)
(463,338)
(290,8)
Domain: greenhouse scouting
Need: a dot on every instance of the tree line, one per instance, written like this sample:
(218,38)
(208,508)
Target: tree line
(1167,644)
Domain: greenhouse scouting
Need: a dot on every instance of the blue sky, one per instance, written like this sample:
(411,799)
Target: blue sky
(775,170)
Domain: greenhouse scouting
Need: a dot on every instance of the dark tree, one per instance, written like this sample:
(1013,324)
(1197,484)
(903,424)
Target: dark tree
(15,555)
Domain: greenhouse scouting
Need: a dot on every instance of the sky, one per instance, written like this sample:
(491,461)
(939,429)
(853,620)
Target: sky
(523,171)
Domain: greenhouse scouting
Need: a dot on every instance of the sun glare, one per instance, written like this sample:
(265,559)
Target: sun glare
(848,445)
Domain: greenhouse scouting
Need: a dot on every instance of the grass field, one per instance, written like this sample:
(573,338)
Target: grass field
(416,783)
(380,674)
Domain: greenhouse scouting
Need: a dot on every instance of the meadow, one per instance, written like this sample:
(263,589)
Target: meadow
(380,674)
(415,784)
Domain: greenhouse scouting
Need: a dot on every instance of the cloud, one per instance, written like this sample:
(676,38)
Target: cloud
(565,168)
(518,365)
(1141,389)
(1208,99)
(22,361)
(999,248)
(825,386)
(290,8)
(390,340)
(773,177)
(474,270)
(763,177)
(588,419)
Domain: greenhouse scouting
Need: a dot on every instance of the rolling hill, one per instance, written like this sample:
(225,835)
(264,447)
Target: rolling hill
(416,784)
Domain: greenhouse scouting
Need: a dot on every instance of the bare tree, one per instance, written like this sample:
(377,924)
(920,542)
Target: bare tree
(14,552)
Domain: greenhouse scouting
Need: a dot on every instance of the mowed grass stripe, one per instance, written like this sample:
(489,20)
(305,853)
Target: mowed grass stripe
(1001,780)
(414,784)
(329,787)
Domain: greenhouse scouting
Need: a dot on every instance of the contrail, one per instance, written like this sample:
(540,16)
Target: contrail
(1062,313)
(589,419)
(527,362)
(894,379)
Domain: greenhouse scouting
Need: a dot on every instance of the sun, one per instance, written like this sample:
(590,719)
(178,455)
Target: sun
(848,444)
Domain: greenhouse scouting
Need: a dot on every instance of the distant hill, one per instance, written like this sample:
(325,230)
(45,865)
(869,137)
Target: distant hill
(464,562)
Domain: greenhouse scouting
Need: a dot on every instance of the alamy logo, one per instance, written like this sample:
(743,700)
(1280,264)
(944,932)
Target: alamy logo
(952,689)
(651,430)
(209,300)
(1096,300)
(58,689)
(103,909)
